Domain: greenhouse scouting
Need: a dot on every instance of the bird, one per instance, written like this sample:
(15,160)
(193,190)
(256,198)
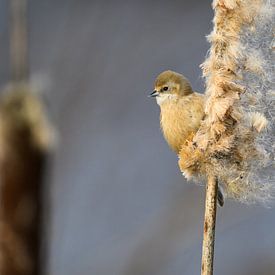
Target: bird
(181,110)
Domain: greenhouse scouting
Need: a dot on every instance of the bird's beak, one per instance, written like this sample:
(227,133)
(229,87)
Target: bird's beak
(154,94)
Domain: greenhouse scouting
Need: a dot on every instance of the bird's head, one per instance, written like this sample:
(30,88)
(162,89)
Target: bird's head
(170,85)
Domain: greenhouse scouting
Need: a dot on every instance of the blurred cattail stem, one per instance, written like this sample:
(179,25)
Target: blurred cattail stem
(18,40)
(209,226)
(25,137)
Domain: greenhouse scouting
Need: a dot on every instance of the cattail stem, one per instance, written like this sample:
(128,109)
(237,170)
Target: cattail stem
(18,40)
(209,226)
(22,162)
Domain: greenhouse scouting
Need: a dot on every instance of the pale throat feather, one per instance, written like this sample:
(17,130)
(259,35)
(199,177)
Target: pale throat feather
(165,97)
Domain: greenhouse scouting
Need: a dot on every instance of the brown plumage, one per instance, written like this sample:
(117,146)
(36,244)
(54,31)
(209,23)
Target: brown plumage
(181,111)
(230,135)
(181,108)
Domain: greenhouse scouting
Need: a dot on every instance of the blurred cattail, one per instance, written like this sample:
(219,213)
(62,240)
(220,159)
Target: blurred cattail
(26,137)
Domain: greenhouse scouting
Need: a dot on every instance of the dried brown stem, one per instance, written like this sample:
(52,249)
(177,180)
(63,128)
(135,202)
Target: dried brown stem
(25,138)
(209,226)
(22,159)
(18,40)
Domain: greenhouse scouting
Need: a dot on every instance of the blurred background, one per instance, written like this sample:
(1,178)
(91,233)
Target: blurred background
(115,201)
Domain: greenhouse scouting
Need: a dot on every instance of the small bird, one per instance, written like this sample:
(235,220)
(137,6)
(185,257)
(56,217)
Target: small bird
(181,110)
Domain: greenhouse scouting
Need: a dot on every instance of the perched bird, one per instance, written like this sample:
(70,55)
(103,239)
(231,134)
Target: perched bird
(181,110)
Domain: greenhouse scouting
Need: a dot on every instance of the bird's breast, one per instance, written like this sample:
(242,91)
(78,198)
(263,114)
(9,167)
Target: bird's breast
(180,120)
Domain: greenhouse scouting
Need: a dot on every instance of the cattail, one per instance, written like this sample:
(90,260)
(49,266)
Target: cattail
(25,138)
(235,142)
(234,146)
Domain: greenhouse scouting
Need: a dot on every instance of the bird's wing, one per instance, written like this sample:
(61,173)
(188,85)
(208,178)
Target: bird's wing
(236,139)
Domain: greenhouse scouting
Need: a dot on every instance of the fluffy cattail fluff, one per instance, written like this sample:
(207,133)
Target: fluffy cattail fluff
(20,108)
(235,142)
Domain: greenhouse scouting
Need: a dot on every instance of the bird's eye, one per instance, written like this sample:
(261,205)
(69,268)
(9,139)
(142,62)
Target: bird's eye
(165,88)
